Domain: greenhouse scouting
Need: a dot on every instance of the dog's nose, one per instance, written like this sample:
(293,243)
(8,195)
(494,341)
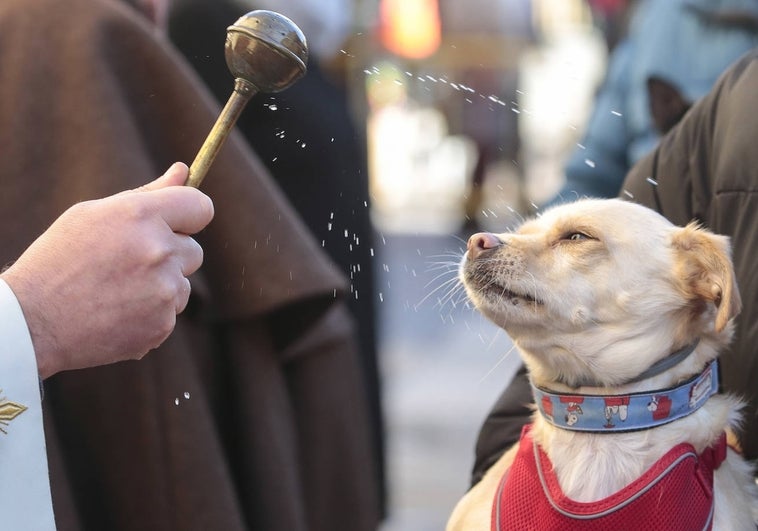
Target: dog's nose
(480,242)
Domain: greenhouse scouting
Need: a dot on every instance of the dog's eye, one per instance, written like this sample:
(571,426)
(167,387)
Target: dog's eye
(577,236)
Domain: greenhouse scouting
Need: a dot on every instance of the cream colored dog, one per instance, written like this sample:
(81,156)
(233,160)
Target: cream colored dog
(617,315)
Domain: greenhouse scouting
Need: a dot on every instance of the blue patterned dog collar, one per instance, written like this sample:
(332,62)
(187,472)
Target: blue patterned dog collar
(619,413)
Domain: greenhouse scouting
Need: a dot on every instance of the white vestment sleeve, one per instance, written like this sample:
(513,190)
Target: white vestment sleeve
(25,501)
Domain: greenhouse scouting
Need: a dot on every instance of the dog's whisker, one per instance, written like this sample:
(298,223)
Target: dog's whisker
(439,276)
(449,254)
(445,267)
(435,290)
(445,258)
(498,363)
(446,297)
(455,296)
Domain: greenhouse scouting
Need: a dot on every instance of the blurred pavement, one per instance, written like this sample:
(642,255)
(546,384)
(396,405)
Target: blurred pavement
(443,366)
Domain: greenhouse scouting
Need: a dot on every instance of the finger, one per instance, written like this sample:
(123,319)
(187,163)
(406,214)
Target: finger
(189,253)
(183,295)
(186,210)
(175,175)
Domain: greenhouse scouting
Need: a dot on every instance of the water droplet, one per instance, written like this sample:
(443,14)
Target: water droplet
(372,251)
(273,107)
(590,163)
(381,297)
(176,401)
(652,181)
(302,145)
(186,395)
(616,113)
(628,194)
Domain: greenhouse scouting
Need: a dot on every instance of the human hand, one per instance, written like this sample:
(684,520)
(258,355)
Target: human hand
(106,281)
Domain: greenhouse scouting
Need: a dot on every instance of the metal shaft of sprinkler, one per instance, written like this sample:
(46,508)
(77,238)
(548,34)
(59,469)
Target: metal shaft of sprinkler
(243,91)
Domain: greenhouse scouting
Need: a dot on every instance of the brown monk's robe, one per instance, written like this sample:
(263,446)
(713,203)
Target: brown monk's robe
(252,414)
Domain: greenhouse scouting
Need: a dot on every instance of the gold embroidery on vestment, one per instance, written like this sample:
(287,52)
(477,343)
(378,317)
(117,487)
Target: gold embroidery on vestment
(9,411)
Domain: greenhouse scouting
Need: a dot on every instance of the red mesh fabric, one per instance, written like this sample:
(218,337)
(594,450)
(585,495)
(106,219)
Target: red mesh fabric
(676,493)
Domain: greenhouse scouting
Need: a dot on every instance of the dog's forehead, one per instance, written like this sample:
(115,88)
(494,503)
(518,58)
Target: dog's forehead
(599,216)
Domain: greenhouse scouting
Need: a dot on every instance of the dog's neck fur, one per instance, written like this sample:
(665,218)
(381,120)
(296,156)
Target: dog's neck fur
(591,466)
(662,365)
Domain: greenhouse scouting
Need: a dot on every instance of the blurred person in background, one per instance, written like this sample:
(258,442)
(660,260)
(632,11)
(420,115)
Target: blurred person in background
(611,17)
(672,54)
(488,118)
(310,143)
(253,413)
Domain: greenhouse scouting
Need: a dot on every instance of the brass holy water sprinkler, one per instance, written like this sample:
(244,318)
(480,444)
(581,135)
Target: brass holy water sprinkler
(265,52)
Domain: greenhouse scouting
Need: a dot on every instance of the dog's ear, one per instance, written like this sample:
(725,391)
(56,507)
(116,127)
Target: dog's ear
(704,265)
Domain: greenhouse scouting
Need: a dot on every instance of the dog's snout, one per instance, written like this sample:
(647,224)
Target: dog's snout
(480,242)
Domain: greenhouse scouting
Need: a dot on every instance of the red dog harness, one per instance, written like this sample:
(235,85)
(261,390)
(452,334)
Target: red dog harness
(675,493)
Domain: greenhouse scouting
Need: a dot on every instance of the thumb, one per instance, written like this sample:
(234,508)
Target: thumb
(175,175)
